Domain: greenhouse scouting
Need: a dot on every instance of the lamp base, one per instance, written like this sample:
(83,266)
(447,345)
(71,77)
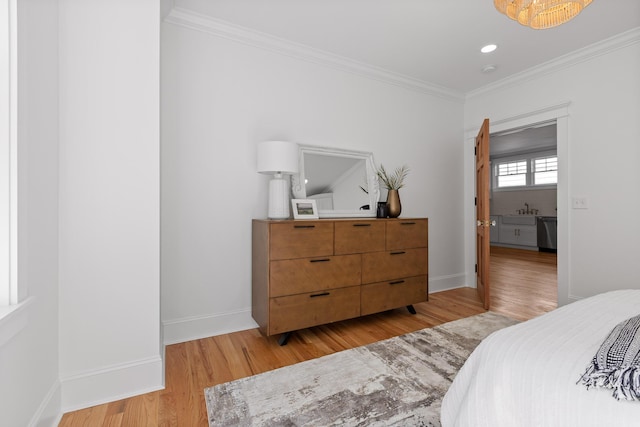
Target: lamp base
(278,198)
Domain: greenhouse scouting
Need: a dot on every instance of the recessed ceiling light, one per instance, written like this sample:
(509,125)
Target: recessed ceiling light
(489,48)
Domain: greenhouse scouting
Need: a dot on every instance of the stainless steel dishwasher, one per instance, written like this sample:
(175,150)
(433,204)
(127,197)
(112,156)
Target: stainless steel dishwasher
(547,227)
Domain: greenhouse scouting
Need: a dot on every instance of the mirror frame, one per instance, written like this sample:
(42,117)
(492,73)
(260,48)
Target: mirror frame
(300,192)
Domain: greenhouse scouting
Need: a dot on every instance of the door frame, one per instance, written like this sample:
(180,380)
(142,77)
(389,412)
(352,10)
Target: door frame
(559,113)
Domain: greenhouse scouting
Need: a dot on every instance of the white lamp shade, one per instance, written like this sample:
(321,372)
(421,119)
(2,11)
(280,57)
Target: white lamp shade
(277,157)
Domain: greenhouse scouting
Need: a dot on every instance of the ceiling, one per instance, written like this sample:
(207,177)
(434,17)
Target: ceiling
(434,41)
(539,137)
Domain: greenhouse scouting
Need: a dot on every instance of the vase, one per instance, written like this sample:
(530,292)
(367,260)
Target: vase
(393,203)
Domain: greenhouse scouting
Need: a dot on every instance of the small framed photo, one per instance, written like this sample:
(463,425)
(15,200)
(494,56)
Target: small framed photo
(304,209)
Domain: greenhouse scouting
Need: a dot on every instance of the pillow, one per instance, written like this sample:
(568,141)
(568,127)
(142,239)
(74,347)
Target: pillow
(616,365)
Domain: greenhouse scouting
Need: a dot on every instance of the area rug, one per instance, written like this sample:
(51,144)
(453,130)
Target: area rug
(399,381)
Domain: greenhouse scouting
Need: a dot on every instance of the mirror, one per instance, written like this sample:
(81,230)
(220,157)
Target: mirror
(343,182)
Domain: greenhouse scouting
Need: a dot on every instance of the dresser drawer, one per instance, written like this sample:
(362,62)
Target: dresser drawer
(308,273)
(391,294)
(301,239)
(381,266)
(297,276)
(354,237)
(409,233)
(305,310)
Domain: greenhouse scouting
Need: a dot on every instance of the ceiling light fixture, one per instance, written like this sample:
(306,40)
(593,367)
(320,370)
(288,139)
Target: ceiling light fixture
(488,48)
(541,14)
(488,68)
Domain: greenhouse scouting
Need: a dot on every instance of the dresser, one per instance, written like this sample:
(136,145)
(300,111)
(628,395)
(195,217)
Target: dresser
(311,272)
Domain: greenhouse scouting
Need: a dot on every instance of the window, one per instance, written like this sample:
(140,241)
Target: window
(525,171)
(512,174)
(8,155)
(545,170)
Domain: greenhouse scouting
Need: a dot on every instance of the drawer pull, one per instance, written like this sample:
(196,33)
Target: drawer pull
(304,226)
(407,223)
(320,260)
(324,294)
(362,225)
(398,253)
(397,282)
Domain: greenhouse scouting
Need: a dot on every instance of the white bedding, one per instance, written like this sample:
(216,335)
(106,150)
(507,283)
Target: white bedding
(527,374)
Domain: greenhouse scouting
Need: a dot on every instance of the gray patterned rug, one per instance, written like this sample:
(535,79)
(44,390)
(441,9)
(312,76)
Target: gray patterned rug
(399,381)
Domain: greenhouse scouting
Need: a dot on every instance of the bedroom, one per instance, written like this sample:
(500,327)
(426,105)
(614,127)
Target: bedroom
(99,180)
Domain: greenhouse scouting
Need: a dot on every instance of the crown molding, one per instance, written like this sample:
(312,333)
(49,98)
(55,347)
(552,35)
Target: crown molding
(195,21)
(600,48)
(188,19)
(547,114)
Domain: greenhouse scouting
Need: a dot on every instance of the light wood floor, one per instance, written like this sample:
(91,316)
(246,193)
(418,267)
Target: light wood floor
(523,285)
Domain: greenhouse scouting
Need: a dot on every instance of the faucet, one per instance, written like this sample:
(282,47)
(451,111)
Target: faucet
(527,211)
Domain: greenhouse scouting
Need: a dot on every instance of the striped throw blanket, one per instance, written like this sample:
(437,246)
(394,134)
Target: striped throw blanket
(616,365)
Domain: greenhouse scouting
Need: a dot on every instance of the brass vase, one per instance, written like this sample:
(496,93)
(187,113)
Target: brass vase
(393,203)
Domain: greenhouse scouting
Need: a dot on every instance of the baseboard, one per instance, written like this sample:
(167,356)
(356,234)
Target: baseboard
(49,413)
(445,283)
(192,328)
(196,327)
(507,245)
(112,383)
(573,298)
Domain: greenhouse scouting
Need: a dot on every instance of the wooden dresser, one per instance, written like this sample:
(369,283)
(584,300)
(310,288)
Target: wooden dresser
(311,272)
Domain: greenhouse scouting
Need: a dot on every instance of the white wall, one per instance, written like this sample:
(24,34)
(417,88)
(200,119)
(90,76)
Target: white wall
(29,387)
(220,98)
(601,159)
(110,344)
(89,242)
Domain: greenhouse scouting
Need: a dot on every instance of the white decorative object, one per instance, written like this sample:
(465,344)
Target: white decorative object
(278,158)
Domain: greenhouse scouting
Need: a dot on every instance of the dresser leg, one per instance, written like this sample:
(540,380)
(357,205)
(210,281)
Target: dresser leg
(284,338)
(411,309)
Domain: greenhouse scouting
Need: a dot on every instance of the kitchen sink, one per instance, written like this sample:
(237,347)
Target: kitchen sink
(519,219)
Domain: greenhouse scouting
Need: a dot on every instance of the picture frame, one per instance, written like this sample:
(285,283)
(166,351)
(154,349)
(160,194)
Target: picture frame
(304,209)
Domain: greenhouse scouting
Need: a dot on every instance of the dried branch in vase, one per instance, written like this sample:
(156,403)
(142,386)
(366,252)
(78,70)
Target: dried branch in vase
(394,181)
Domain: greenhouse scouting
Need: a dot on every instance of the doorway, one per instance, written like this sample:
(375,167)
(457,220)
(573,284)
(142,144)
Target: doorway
(559,114)
(523,196)
(523,205)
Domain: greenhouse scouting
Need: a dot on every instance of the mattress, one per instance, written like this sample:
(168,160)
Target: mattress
(527,374)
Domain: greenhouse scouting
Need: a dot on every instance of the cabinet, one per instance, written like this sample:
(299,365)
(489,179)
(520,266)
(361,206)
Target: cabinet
(519,234)
(311,272)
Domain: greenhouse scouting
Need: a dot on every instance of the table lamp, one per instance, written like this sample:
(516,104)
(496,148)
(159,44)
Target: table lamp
(278,158)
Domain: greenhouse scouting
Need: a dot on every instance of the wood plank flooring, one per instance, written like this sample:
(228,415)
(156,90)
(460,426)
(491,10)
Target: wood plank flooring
(524,285)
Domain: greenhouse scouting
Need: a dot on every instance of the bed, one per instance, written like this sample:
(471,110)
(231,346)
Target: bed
(528,374)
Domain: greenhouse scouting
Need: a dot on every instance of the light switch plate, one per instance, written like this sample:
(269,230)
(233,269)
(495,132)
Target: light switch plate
(579,203)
